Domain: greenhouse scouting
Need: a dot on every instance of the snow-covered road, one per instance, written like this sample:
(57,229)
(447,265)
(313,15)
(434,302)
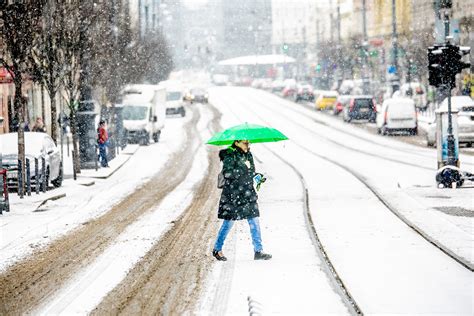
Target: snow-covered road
(385,264)
(387,240)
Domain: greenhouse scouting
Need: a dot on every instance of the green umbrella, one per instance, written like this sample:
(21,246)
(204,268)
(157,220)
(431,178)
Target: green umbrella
(251,132)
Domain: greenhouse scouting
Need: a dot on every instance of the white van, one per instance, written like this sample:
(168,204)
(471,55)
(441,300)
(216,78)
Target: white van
(144,112)
(416,92)
(175,97)
(397,114)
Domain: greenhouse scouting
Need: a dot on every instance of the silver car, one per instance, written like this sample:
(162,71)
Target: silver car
(37,145)
(465,106)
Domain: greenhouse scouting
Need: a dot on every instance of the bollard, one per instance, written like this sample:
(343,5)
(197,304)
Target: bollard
(6,206)
(67,144)
(37,183)
(20,179)
(28,177)
(43,175)
(97,160)
(74,174)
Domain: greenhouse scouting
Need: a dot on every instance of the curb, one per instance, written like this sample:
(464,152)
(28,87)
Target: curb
(128,155)
(52,198)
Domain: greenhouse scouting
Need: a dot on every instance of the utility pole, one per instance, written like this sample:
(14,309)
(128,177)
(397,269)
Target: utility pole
(340,64)
(395,83)
(440,92)
(451,144)
(365,79)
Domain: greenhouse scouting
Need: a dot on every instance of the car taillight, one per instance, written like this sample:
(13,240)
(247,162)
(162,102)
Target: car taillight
(351,105)
(385,116)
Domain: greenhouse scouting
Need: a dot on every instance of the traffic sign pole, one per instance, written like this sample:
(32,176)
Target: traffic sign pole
(451,144)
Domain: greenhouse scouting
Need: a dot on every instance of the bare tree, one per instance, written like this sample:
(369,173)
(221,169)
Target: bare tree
(155,58)
(19,21)
(69,58)
(46,56)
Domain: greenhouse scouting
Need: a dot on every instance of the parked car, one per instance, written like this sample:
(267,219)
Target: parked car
(198,95)
(37,145)
(326,100)
(416,92)
(277,85)
(266,84)
(341,101)
(220,79)
(465,106)
(397,114)
(256,83)
(304,91)
(290,88)
(360,107)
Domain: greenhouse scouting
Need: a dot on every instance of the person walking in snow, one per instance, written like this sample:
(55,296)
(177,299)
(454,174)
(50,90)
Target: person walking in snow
(239,198)
(39,126)
(102,140)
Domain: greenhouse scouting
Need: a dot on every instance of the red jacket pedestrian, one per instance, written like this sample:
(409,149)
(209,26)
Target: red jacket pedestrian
(102,133)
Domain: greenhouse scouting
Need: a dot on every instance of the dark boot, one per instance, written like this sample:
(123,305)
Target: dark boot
(219,257)
(260,255)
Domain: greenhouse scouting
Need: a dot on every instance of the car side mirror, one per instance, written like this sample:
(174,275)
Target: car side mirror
(155,118)
(50,151)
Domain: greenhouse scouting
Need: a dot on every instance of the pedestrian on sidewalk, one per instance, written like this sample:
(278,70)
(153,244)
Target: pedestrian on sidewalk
(102,140)
(39,126)
(239,198)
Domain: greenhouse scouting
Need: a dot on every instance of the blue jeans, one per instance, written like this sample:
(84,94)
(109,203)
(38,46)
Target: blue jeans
(254,224)
(103,155)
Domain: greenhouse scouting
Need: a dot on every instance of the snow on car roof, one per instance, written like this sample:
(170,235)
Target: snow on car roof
(33,143)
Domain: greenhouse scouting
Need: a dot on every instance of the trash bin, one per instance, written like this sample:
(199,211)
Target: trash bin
(442,136)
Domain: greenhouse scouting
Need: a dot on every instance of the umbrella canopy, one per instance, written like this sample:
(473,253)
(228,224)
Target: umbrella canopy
(251,132)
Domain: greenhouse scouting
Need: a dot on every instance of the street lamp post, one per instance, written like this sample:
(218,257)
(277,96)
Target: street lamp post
(364,49)
(450,138)
(395,83)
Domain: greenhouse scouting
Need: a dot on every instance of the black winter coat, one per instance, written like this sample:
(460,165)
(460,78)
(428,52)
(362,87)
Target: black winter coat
(239,199)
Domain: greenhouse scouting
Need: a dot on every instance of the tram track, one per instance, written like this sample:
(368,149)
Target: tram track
(329,268)
(376,193)
(357,150)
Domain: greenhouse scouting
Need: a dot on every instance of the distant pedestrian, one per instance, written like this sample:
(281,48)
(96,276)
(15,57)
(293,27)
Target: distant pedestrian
(63,121)
(239,198)
(39,126)
(102,140)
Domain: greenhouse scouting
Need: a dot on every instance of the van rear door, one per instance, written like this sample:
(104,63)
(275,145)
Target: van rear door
(401,113)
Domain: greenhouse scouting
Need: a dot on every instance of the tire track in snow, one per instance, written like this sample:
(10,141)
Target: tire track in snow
(25,284)
(328,267)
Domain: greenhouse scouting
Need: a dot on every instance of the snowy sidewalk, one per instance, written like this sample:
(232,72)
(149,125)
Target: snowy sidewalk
(25,227)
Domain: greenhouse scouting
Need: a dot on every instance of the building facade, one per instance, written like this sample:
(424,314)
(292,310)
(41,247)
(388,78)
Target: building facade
(247,27)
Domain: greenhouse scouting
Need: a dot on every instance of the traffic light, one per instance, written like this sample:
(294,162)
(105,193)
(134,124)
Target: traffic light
(454,63)
(285,47)
(446,4)
(444,63)
(435,73)
(461,51)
